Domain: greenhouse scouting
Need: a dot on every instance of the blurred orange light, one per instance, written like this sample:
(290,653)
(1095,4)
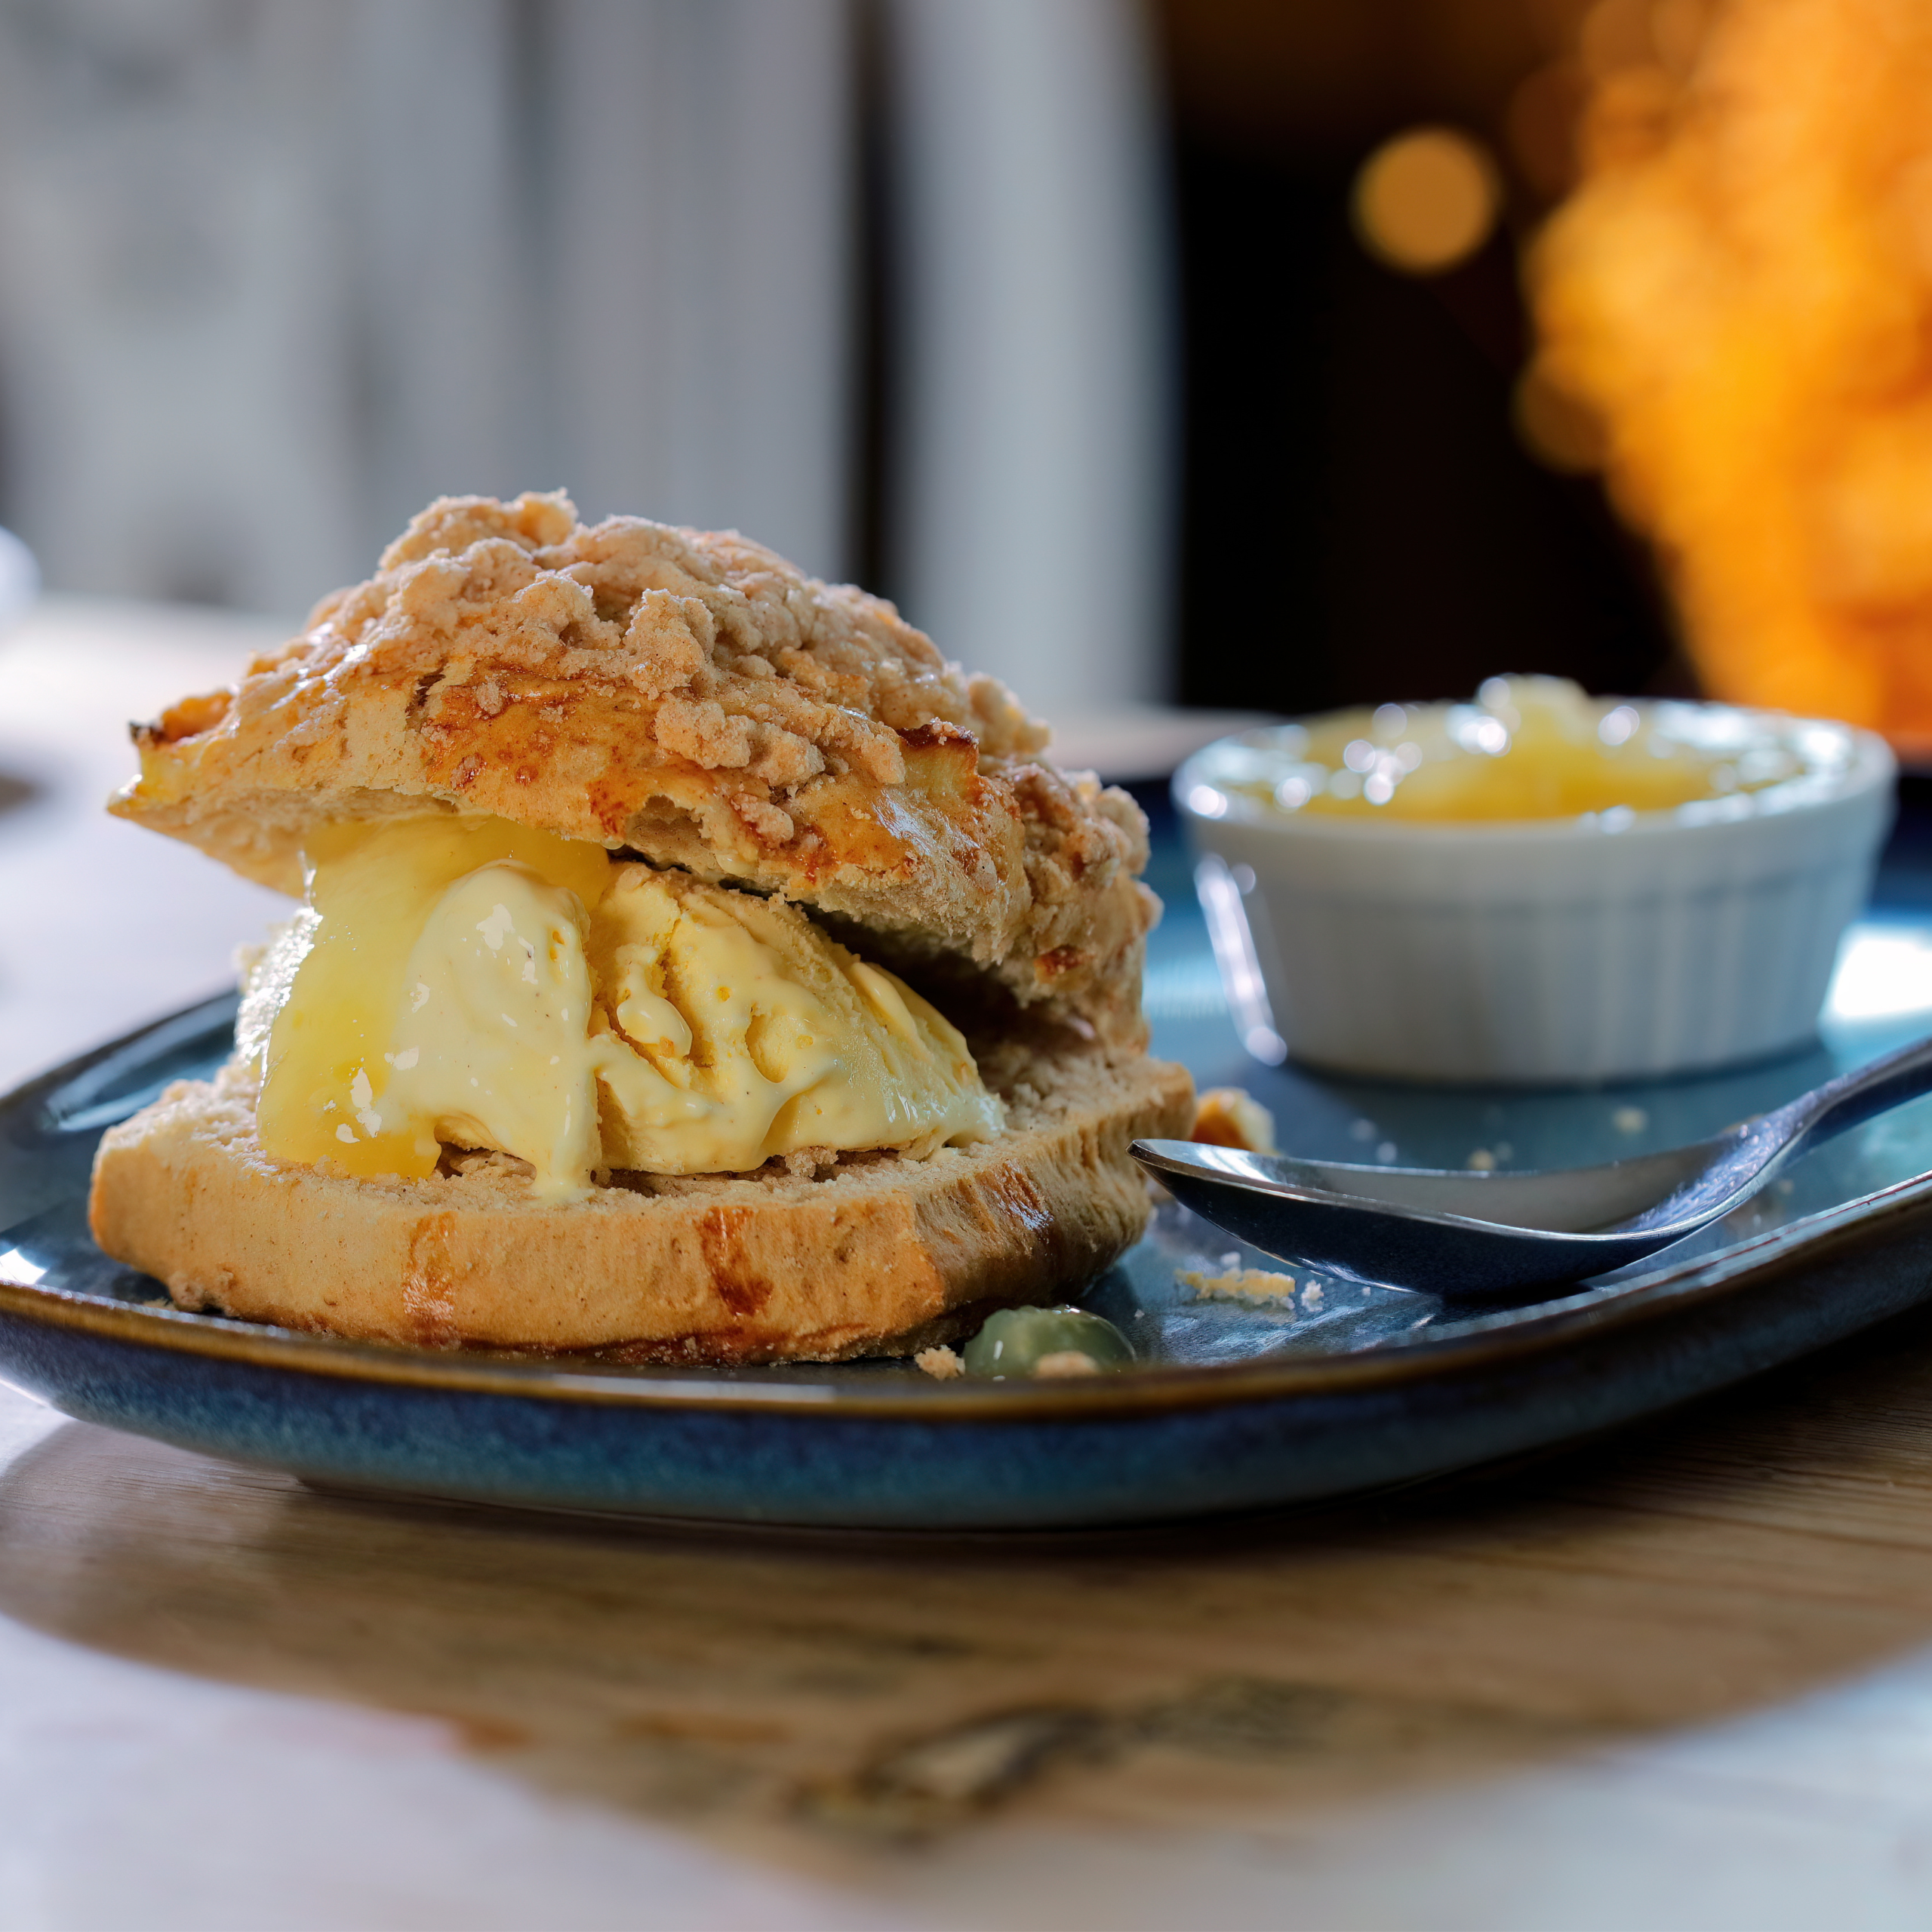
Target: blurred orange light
(1741,292)
(1426,200)
(1618,34)
(1557,428)
(1540,124)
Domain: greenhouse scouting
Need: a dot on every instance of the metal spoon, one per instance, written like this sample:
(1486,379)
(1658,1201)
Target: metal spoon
(1465,1233)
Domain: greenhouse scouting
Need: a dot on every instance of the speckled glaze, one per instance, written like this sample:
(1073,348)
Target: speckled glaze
(1228,1409)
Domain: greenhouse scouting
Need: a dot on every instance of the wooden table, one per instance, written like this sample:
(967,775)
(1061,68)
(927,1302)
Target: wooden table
(1681,1678)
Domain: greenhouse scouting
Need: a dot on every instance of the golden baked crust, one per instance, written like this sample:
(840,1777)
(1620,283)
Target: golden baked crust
(880,1255)
(688,695)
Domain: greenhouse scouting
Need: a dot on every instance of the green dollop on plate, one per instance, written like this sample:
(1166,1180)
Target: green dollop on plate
(1018,1341)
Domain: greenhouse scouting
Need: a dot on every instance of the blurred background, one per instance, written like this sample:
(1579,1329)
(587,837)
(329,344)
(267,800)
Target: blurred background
(1173,359)
(1146,354)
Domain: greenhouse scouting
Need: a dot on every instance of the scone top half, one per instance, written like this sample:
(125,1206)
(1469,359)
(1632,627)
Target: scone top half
(689,697)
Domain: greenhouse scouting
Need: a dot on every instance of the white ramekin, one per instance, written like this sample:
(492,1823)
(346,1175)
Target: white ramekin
(1620,946)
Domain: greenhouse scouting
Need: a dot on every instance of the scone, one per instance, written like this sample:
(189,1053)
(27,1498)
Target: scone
(693,965)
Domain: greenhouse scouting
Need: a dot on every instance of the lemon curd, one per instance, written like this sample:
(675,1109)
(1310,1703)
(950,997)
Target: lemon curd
(1528,748)
(473,983)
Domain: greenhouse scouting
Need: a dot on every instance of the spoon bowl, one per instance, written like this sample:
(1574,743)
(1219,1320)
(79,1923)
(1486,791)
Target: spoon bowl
(1470,1234)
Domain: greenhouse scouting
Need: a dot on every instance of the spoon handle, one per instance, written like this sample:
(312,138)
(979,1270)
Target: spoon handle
(1855,1097)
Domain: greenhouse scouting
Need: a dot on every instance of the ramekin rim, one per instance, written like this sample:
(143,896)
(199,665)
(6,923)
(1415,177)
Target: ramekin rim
(1873,765)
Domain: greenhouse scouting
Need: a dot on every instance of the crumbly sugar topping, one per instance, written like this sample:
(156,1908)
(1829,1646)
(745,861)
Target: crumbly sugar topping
(687,695)
(755,670)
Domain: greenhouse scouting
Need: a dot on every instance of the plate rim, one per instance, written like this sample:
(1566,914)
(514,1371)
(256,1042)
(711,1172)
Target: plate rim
(1163,1389)
(1484,1343)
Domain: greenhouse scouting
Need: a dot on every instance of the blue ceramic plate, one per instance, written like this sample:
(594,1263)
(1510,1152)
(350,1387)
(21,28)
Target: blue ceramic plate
(1233,1406)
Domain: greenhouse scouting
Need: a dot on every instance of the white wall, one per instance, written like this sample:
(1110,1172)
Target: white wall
(271,276)
(1036,407)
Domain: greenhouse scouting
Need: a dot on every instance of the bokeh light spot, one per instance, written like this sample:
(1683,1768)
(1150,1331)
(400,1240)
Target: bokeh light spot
(1426,200)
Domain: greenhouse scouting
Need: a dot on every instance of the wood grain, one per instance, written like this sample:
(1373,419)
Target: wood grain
(823,1702)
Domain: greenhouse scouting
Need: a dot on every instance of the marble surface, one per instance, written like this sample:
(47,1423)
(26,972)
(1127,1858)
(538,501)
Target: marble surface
(1681,1677)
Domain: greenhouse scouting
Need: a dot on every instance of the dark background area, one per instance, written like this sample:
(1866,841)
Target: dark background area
(1361,521)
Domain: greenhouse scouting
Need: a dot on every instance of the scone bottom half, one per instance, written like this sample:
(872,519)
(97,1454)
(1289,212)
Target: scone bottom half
(848,972)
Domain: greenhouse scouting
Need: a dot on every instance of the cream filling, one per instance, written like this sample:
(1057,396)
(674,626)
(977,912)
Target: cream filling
(469,982)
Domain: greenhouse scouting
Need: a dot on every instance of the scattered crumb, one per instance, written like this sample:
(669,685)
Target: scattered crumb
(1311,1296)
(1230,1117)
(941,1364)
(1064,1362)
(1253,1284)
(1629,1120)
(1481,1162)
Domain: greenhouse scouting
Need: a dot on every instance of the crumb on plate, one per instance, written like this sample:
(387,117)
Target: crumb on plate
(1231,1117)
(941,1364)
(1254,1284)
